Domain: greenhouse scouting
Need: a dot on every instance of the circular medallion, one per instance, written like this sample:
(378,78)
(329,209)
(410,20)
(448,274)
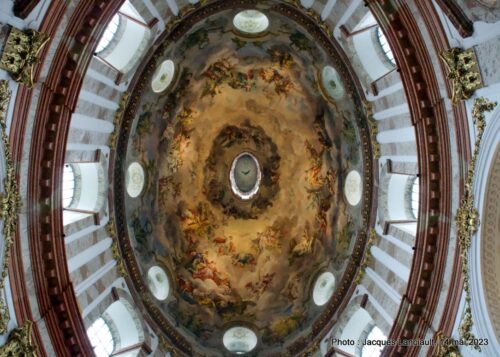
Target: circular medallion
(253,177)
(245,176)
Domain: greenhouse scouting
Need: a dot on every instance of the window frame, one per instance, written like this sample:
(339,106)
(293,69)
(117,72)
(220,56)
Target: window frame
(95,336)
(116,19)
(68,200)
(384,45)
(368,350)
(415,196)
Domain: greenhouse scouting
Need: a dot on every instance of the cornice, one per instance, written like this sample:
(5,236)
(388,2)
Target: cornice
(56,102)
(440,43)
(429,115)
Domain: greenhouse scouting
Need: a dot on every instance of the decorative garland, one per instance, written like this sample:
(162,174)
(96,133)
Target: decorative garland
(467,220)
(367,257)
(10,203)
(117,120)
(372,124)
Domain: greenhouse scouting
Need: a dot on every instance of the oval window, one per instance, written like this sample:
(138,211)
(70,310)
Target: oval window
(239,340)
(323,288)
(251,22)
(158,282)
(163,76)
(331,83)
(134,180)
(245,176)
(353,188)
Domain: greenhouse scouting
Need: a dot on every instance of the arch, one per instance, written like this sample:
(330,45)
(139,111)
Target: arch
(373,50)
(374,334)
(68,186)
(124,40)
(88,190)
(415,196)
(483,273)
(117,329)
(398,197)
(384,44)
(109,34)
(126,299)
(101,338)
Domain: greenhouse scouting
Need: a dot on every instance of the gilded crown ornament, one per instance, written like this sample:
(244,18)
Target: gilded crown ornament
(463,72)
(21,53)
(19,342)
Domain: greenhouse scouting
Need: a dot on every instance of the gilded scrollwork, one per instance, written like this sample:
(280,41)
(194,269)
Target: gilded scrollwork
(467,220)
(10,202)
(21,53)
(463,72)
(19,342)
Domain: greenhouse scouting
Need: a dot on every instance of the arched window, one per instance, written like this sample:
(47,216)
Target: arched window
(68,186)
(109,33)
(415,195)
(101,339)
(373,350)
(385,46)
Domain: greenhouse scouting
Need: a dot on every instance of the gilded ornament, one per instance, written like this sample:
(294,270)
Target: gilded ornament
(366,258)
(372,124)
(445,346)
(21,54)
(463,72)
(117,118)
(166,346)
(467,220)
(120,266)
(10,201)
(19,343)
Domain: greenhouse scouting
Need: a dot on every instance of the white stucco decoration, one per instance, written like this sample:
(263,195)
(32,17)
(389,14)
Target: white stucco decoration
(134,180)
(158,282)
(353,188)
(251,21)
(323,288)
(331,82)
(163,76)
(239,340)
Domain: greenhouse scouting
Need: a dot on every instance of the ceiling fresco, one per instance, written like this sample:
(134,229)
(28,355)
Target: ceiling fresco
(263,114)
